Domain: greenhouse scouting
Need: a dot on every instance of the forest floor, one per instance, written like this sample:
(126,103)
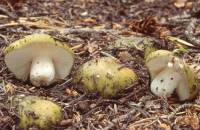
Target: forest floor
(91,25)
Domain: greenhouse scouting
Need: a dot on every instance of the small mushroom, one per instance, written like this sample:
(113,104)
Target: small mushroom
(40,57)
(169,73)
(36,111)
(104,75)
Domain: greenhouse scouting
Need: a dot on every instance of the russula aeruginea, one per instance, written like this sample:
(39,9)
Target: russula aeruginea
(34,111)
(39,57)
(105,76)
(172,74)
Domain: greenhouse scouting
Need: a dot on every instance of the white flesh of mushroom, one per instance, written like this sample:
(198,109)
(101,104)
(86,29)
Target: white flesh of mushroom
(165,82)
(42,71)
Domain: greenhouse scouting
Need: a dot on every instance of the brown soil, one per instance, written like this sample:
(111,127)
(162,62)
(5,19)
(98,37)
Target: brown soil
(136,108)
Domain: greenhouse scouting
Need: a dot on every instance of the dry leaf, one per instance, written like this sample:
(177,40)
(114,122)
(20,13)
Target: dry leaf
(72,92)
(76,117)
(132,128)
(9,88)
(90,20)
(191,120)
(66,122)
(116,26)
(180,3)
(164,126)
(92,47)
(149,25)
(125,56)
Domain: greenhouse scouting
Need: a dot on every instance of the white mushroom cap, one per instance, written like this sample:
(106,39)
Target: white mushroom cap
(41,57)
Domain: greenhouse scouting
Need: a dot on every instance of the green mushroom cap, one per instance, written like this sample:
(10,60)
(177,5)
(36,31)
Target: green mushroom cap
(36,111)
(104,75)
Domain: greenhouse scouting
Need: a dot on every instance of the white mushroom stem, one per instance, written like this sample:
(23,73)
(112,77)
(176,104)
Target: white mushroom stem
(42,71)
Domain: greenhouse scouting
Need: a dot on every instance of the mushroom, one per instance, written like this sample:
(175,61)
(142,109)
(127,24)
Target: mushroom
(40,57)
(172,74)
(36,111)
(104,75)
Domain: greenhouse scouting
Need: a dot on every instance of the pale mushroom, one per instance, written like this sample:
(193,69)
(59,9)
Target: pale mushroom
(169,73)
(40,57)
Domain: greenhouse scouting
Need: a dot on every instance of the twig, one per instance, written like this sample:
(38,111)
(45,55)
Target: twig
(77,47)
(67,81)
(143,121)
(74,101)
(143,112)
(55,29)
(8,13)
(108,55)
(126,116)
(190,32)
(120,119)
(4,38)
(184,106)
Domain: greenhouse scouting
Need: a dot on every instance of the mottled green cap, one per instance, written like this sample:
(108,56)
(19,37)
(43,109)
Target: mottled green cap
(158,54)
(104,75)
(36,38)
(36,111)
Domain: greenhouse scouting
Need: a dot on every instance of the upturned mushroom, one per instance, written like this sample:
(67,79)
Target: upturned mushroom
(105,76)
(169,73)
(39,57)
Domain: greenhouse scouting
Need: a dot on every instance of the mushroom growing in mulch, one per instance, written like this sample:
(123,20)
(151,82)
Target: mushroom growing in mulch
(105,76)
(169,73)
(34,111)
(40,57)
